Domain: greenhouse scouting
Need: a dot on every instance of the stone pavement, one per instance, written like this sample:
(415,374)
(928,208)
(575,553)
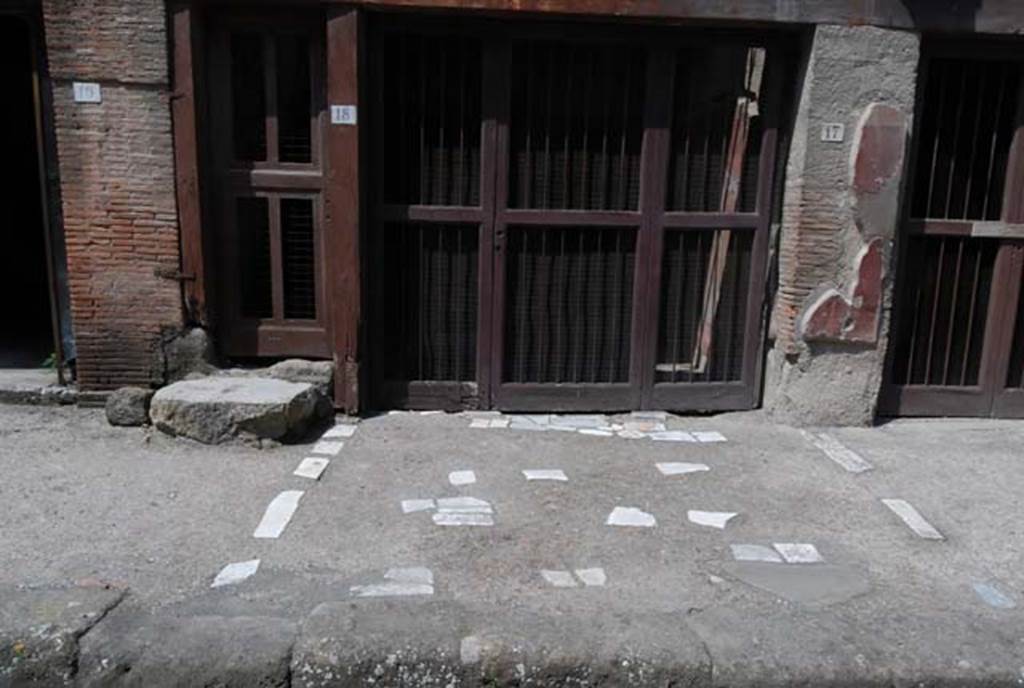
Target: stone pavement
(477,549)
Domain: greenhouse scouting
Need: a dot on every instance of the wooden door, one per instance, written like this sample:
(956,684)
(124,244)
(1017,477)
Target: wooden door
(568,218)
(958,331)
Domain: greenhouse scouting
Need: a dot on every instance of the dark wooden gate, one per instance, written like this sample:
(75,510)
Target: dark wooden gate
(958,337)
(568,218)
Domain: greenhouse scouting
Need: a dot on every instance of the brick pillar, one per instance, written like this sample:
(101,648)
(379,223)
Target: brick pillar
(840,215)
(117,184)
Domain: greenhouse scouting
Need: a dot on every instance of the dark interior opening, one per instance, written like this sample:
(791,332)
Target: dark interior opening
(26,336)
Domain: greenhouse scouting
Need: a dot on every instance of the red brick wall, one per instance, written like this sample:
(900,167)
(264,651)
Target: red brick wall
(117,184)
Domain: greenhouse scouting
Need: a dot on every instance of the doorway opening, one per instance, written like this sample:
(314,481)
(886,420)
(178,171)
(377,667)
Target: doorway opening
(27,342)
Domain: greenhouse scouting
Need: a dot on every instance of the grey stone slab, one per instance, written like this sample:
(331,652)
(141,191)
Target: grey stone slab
(819,585)
(40,628)
(166,650)
(217,409)
(419,642)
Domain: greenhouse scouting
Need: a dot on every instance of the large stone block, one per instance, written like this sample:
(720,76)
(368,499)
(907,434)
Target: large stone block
(218,409)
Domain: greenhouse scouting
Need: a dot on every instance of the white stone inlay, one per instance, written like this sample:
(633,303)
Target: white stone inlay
(312,467)
(682,468)
(755,553)
(592,578)
(672,436)
(463,519)
(279,512)
(711,519)
(546,474)
(400,582)
(851,461)
(236,573)
(709,436)
(798,552)
(913,518)
(411,506)
(630,517)
(462,477)
(328,448)
(464,505)
(559,579)
(343,430)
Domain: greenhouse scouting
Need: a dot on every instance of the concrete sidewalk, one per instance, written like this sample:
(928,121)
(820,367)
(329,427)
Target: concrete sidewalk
(111,539)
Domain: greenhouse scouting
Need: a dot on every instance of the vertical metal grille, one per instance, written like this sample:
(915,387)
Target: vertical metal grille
(248,97)
(294,99)
(428,314)
(298,258)
(570,304)
(428,107)
(576,126)
(943,311)
(702,320)
(253,236)
(964,139)
(709,84)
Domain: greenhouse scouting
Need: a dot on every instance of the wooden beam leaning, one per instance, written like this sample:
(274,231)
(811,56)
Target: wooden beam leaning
(184,26)
(342,202)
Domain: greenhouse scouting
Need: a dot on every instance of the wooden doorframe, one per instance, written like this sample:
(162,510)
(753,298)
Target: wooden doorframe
(990,396)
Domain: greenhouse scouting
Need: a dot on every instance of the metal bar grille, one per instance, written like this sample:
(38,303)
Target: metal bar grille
(248,97)
(298,258)
(576,126)
(685,272)
(570,304)
(252,222)
(294,99)
(964,139)
(708,85)
(427,315)
(943,311)
(428,103)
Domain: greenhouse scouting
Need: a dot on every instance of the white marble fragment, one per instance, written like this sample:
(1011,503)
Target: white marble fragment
(579,421)
(328,448)
(236,573)
(592,578)
(632,435)
(546,474)
(708,436)
(411,506)
(431,413)
(913,518)
(674,468)
(499,423)
(755,553)
(448,518)
(672,436)
(630,517)
(279,512)
(462,477)
(711,519)
(479,423)
(851,461)
(312,467)
(644,426)
(342,430)
(798,553)
(559,579)
(595,432)
(391,589)
(464,505)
